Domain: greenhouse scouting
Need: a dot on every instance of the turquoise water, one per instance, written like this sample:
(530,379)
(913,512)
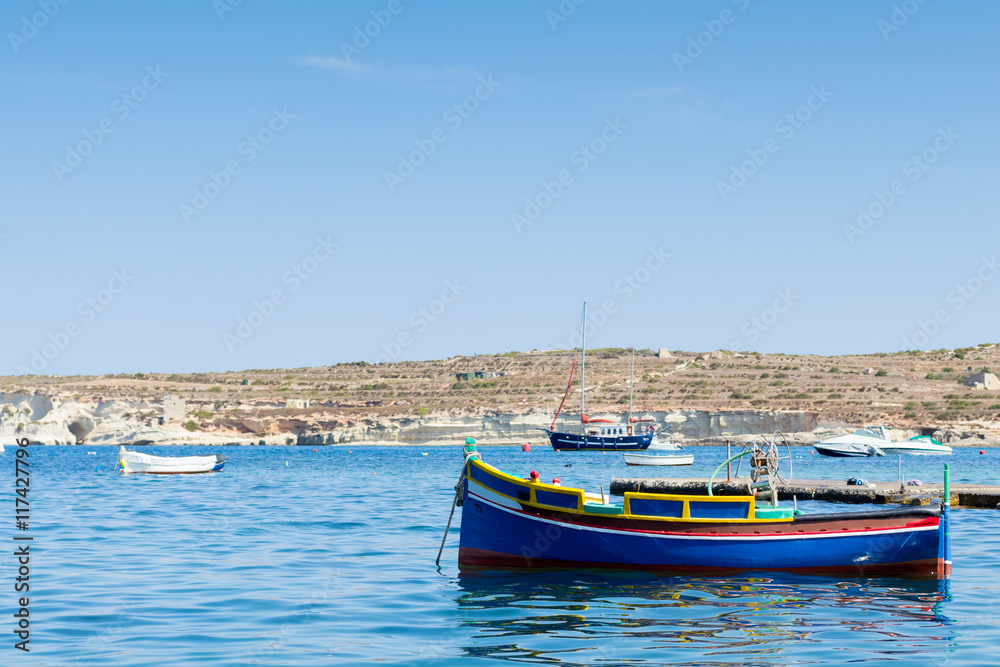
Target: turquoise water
(330,560)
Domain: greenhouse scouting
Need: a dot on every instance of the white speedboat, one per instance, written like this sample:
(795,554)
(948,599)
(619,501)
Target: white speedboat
(921,444)
(658,460)
(863,442)
(662,445)
(138,462)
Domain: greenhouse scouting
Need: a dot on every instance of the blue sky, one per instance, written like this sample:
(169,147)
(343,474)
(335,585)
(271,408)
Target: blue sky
(275,191)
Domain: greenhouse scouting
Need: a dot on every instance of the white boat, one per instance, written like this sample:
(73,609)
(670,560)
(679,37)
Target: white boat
(663,445)
(137,462)
(658,460)
(921,444)
(863,442)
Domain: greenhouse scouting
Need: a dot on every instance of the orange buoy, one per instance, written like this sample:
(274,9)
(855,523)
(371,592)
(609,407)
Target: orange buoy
(526,447)
(315,450)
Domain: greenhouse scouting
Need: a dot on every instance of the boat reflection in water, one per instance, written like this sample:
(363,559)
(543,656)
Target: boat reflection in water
(600,617)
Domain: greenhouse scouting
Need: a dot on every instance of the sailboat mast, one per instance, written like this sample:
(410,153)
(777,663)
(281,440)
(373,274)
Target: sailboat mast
(631,381)
(583,363)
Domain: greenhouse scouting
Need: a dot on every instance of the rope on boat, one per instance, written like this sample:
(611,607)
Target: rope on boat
(455,503)
(764,465)
(568,386)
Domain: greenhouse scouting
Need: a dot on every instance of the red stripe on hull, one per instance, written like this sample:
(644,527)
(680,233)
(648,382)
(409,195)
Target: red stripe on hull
(846,525)
(469,558)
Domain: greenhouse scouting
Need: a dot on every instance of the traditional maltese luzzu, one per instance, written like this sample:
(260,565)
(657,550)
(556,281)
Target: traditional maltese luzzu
(510,522)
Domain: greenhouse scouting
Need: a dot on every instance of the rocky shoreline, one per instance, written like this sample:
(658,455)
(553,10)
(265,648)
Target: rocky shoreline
(50,420)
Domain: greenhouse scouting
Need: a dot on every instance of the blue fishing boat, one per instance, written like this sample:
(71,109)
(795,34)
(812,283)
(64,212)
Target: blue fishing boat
(600,434)
(512,522)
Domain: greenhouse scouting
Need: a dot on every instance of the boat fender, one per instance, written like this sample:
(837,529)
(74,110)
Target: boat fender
(556,481)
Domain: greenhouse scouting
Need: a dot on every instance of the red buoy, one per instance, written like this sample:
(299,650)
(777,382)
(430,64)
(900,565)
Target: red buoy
(534,475)
(526,447)
(555,481)
(982,451)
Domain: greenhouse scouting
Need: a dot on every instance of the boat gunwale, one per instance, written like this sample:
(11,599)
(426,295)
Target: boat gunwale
(626,513)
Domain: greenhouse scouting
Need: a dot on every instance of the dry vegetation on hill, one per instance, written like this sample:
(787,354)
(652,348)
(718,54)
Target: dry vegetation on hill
(907,389)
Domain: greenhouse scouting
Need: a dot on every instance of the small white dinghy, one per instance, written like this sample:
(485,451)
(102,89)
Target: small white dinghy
(137,462)
(658,460)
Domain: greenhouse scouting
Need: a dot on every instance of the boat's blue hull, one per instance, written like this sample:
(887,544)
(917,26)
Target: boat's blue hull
(578,442)
(503,525)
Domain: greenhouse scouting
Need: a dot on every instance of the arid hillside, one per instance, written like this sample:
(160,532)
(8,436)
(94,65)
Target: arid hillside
(909,390)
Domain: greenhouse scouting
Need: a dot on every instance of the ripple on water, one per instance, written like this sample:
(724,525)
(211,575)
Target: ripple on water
(322,563)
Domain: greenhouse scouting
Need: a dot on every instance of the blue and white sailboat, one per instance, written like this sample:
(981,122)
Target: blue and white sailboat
(600,434)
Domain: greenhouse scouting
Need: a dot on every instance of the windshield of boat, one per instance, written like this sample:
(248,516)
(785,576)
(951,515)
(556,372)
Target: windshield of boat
(867,432)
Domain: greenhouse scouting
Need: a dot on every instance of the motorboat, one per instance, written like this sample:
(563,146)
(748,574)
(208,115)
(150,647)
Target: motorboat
(658,459)
(138,462)
(662,445)
(863,442)
(509,521)
(921,444)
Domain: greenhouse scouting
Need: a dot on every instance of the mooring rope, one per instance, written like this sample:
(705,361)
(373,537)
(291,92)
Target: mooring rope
(455,503)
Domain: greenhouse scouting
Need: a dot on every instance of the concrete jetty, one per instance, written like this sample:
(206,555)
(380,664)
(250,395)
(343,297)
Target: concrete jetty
(831,490)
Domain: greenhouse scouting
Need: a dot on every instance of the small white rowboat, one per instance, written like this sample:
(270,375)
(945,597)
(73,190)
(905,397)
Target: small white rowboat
(137,462)
(658,460)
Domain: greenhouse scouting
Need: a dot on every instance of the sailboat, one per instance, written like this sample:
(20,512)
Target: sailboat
(600,434)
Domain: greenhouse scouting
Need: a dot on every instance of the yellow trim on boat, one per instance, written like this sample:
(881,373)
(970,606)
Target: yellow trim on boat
(582,499)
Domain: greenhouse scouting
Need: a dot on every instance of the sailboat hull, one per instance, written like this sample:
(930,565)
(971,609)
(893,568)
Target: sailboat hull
(578,442)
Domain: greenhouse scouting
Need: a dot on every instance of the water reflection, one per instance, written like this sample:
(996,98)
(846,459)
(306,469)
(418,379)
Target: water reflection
(616,618)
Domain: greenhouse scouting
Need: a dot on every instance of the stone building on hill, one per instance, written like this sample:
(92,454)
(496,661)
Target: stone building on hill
(983,380)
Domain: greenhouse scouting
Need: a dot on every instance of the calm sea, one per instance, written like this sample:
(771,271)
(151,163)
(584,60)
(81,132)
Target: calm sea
(300,557)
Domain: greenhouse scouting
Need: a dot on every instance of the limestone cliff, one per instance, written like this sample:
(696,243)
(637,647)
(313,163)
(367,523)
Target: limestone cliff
(56,421)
